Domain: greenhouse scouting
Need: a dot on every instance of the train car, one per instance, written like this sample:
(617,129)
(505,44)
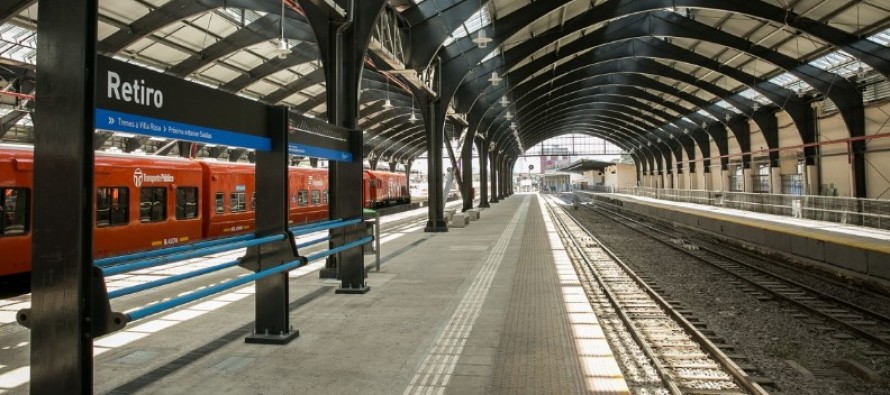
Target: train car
(308,189)
(140,203)
(145,202)
(384,188)
(16,179)
(229,198)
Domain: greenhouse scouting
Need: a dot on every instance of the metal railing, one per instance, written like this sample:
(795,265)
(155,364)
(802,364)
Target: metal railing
(872,213)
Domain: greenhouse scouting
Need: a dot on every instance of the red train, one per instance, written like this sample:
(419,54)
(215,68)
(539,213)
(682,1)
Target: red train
(152,202)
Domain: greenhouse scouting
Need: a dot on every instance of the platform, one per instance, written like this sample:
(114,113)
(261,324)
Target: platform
(493,308)
(858,252)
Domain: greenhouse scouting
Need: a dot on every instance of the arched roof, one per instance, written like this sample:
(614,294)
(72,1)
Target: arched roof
(655,77)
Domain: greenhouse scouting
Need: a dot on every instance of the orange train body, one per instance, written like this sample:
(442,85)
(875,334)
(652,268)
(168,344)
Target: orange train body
(143,203)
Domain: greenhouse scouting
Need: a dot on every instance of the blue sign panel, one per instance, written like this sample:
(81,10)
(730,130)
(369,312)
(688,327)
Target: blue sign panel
(130,123)
(318,152)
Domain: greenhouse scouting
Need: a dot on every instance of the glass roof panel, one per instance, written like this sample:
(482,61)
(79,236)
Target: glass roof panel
(18,43)
(751,94)
(478,20)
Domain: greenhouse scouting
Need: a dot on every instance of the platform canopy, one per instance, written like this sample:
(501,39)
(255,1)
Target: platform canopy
(583,165)
(654,77)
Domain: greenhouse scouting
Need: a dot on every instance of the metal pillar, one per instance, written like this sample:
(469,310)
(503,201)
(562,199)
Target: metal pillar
(493,159)
(501,176)
(434,117)
(272,324)
(343,45)
(466,158)
(62,244)
(482,148)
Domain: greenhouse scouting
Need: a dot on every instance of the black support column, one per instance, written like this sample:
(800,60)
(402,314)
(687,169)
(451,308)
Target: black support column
(272,324)
(434,117)
(343,45)
(493,160)
(62,244)
(482,149)
(466,158)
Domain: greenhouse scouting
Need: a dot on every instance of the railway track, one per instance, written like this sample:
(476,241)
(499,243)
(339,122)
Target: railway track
(685,359)
(869,325)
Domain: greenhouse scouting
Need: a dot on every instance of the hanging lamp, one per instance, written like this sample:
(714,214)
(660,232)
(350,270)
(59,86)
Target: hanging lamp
(283,50)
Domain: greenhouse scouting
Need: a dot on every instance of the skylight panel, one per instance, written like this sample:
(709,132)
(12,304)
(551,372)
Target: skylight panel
(726,106)
(841,63)
(882,38)
(249,15)
(478,20)
(496,52)
(789,81)
(18,44)
(751,94)
(705,114)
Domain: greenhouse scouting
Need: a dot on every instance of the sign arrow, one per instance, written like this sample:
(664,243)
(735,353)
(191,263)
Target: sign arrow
(110,121)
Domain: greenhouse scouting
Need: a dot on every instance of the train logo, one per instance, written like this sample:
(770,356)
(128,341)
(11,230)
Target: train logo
(138,177)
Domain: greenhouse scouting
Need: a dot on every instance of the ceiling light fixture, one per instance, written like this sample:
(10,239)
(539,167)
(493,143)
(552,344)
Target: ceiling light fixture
(283,50)
(504,101)
(481,39)
(495,79)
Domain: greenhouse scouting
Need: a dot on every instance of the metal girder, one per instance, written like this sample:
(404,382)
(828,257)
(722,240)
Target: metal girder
(11,8)
(302,53)
(806,74)
(871,53)
(9,120)
(260,30)
(314,77)
(177,10)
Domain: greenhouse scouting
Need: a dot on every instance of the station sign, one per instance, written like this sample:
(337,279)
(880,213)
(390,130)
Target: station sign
(133,99)
(317,139)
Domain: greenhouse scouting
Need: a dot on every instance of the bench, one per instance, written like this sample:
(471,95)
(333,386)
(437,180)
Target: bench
(473,214)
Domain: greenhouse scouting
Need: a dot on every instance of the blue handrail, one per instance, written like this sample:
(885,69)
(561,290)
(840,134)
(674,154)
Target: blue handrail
(313,242)
(181,300)
(110,261)
(195,273)
(146,263)
(170,250)
(323,226)
(169,280)
(313,224)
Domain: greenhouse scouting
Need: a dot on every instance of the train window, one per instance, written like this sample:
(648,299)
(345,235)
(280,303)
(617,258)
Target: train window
(153,204)
(220,204)
(112,206)
(316,198)
(14,213)
(186,203)
(237,202)
(324,197)
(303,198)
(253,202)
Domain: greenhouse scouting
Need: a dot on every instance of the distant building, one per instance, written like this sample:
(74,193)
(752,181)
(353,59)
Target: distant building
(553,158)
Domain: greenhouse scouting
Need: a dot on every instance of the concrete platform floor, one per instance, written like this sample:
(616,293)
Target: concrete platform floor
(490,308)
